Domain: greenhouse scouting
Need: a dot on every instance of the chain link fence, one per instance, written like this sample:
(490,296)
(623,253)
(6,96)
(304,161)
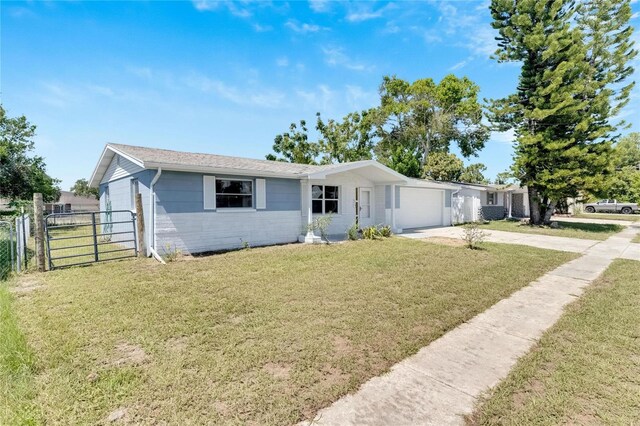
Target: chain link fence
(7,249)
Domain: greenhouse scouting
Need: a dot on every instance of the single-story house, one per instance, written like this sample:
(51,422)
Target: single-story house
(69,202)
(492,201)
(205,202)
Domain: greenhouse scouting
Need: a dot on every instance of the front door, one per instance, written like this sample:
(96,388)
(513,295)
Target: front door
(364,214)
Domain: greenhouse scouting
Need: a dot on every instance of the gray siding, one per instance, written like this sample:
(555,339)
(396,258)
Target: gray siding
(120,196)
(179,192)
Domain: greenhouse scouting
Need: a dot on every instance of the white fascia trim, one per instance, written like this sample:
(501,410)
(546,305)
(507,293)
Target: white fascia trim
(105,160)
(429,185)
(358,165)
(219,171)
(94,181)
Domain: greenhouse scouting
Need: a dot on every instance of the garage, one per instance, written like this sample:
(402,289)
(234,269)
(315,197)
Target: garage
(420,207)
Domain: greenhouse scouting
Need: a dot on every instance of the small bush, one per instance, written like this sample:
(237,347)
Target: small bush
(171,254)
(370,233)
(352,232)
(473,235)
(321,224)
(385,231)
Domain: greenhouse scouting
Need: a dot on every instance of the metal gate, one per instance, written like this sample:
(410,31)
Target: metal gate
(83,238)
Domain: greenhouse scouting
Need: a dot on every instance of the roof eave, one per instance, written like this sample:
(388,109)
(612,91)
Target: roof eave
(219,170)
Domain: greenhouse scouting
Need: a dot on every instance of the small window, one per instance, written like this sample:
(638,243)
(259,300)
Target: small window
(325,199)
(232,193)
(134,191)
(492,198)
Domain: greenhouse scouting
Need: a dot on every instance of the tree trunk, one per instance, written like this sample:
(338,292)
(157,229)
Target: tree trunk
(535,217)
(551,207)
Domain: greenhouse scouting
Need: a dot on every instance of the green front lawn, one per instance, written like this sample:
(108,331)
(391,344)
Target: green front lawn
(636,239)
(259,336)
(586,369)
(587,231)
(609,216)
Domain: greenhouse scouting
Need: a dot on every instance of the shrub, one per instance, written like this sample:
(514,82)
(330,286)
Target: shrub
(321,224)
(171,254)
(385,231)
(370,233)
(473,235)
(352,232)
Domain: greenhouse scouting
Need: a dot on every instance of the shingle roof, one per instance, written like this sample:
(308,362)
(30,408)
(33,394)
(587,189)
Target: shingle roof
(154,156)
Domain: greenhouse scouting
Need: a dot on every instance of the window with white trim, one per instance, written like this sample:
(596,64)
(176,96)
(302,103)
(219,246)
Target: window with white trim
(325,199)
(492,198)
(234,193)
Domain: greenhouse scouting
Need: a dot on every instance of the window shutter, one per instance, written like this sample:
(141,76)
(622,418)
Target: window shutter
(209,192)
(261,194)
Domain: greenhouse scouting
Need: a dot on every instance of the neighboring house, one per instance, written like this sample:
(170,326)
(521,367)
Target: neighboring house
(70,203)
(493,201)
(204,202)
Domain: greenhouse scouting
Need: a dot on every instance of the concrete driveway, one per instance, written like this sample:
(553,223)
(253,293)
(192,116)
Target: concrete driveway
(573,245)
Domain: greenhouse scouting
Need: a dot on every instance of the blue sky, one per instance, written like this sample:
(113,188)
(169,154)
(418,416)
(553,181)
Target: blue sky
(226,78)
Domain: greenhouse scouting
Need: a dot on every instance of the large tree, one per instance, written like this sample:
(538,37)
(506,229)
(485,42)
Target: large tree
(21,175)
(563,103)
(351,139)
(82,189)
(424,116)
(294,146)
(624,183)
(443,166)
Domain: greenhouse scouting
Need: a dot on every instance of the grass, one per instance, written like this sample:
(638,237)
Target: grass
(609,216)
(636,239)
(588,231)
(17,367)
(259,336)
(585,369)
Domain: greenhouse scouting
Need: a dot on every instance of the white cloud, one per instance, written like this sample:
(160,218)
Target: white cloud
(319,6)
(507,137)
(635,15)
(262,28)
(255,97)
(59,95)
(358,98)
(364,12)
(282,62)
(459,65)
(335,56)
(241,9)
(303,28)
(319,99)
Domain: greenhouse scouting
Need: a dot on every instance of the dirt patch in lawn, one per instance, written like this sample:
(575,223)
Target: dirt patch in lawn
(341,345)
(128,354)
(278,371)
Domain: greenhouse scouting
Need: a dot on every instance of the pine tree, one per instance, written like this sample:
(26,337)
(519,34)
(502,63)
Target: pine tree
(564,101)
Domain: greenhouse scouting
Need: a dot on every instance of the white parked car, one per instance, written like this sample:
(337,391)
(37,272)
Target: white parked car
(611,206)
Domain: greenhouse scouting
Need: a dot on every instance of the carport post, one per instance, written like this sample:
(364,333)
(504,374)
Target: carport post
(310,237)
(393,208)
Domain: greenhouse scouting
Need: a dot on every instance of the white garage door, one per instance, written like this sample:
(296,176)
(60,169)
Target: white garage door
(420,207)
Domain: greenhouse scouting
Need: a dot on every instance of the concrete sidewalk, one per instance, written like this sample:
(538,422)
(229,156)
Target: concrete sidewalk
(441,383)
(573,245)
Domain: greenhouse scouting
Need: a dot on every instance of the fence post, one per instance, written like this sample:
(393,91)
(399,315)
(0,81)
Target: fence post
(142,244)
(38,209)
(95,236)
